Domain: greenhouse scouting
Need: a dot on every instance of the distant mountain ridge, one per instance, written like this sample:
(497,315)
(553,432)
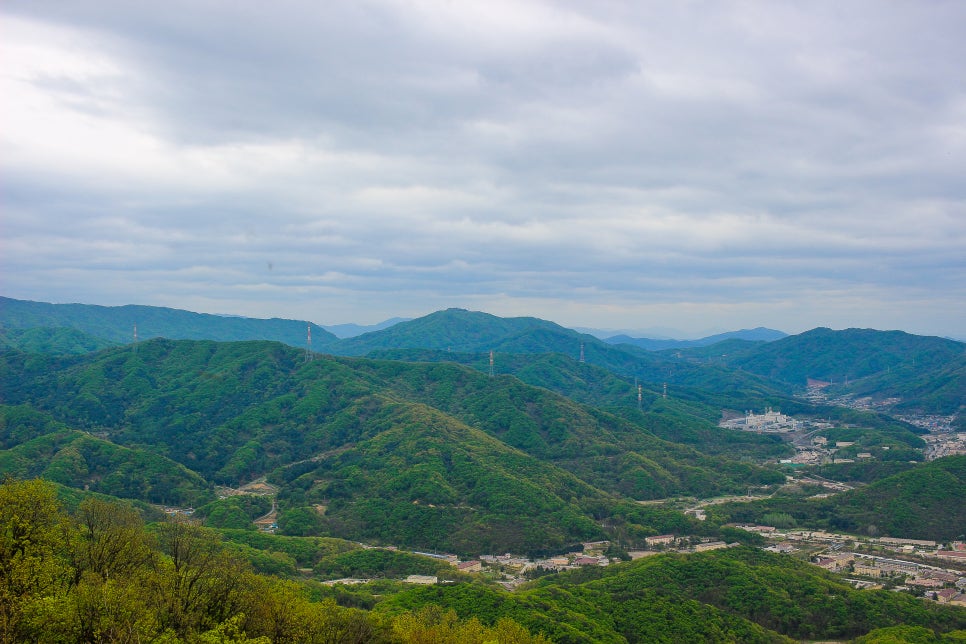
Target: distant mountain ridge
(833,356)
(925,374)
(350,330)
(116,323)
(758,334)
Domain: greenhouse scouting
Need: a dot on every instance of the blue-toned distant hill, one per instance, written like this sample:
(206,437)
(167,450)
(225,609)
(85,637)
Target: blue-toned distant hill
(343,331)
(116,323)
(759,334)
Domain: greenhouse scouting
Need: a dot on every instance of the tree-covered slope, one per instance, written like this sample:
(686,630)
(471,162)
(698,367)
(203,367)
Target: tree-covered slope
(115,324)
(51,340)
(828,355)
(33,444)
(738,595)
(99,574)
(234,411)
(925,502)
(419,478)
(610,452)
(689,415)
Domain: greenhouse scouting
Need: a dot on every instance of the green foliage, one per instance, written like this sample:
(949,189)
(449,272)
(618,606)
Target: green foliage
(910,635)
(377,562)
(734,595)
(234,511)
(51,340)
(300,522)
(925,502)
(432,624)
(37,445)
(779,520)
(99,576)
(305,551)
(33,564)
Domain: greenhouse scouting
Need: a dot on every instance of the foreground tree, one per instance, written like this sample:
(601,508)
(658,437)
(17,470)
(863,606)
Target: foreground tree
(32,565)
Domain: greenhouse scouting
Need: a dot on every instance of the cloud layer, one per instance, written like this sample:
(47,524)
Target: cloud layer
(703,166)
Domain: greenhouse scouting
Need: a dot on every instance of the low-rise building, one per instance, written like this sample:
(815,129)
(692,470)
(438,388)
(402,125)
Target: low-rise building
(710,545)
(828,564)
(945,595)
(587,561)
(470,566)
(427,580)
(867,569)
(660,540)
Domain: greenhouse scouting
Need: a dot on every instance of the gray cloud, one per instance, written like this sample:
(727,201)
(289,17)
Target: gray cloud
(614,164)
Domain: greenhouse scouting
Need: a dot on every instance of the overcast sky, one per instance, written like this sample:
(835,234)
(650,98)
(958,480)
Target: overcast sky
(698,166)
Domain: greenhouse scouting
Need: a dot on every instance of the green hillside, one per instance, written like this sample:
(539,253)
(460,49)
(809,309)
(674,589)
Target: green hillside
(689,416)
(51,340)
(115,324)
(423,480)
(33,444)
(925,502)
(231,412)
(939,389)
(737,595)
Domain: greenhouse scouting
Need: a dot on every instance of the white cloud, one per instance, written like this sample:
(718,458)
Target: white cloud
(752,163)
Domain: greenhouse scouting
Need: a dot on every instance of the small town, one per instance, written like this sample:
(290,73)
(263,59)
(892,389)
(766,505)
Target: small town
(811,448)
(920,567)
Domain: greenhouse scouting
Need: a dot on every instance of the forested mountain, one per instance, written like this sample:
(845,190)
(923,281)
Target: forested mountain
(824,354)
(351,330)
(338,426)
(468,337)
(469,332)
(115,324)
(689,415)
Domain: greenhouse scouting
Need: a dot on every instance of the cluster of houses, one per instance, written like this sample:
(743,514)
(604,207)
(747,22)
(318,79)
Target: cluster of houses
(946,586)
(820,452)
(942,585)
(515,568)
